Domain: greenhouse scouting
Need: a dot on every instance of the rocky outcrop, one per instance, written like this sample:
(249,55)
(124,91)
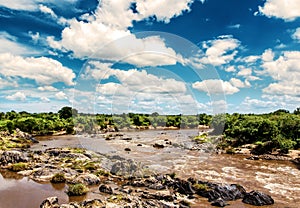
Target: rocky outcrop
(258,199)
(51,202)
(12,156)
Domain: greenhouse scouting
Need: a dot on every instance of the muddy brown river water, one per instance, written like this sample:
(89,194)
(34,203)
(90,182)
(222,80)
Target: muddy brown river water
(280,179)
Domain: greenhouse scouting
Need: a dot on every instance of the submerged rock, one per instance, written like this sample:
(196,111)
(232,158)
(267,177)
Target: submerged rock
(258,199)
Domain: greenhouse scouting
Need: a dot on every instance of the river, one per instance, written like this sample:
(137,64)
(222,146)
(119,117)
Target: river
(280,179)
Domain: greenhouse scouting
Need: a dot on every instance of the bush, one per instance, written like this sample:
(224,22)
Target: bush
(58,178)
(18,167)
(77,189)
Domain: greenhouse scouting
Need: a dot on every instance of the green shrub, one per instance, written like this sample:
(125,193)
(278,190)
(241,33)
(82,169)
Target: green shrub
(77,189)
(18,167)
(201,187)
(58,178)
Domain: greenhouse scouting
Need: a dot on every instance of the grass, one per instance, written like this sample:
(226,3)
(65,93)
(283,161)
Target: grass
(77,189)
(58,178)
(201,187)
(18,167)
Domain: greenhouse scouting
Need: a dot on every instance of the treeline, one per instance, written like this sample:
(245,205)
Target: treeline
(279,129)
(276,130)
(69,120)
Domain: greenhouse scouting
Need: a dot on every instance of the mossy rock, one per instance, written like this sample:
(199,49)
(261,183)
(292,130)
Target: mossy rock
(58,178)
(102,173)
(78,189)
(18,167)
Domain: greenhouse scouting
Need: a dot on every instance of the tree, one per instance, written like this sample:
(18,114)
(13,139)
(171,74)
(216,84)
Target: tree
(297,111)
(66,112)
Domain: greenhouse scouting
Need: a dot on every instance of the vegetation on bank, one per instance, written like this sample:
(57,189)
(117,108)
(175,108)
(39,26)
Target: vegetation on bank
(276,130)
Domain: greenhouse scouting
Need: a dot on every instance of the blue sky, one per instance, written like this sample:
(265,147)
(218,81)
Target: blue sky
(166,56)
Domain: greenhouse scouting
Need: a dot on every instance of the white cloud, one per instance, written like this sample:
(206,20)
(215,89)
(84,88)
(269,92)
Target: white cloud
(220,51)
(238,83)
(247,73)
(285,70)
(215,86)
(45,99)
(296,35)
(32,5)
(61,95)
(236,26)
(251,59)
(288,10)
(47,88)
(17,96)
(268,55)
(4,83)
(9,44)
(105,35)
(43,70)
(161,8)
(230,69)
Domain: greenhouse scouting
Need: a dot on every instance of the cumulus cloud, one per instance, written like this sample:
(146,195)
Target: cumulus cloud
(106,35)
(47,88)
(238,83)
(215,86)
(43,70)
(247,73)
(285,70)
(288,10)
(296,35)
(220,51)
(61,95)
(16,96)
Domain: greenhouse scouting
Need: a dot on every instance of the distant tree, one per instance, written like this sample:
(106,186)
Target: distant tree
(67,112)
(297,111)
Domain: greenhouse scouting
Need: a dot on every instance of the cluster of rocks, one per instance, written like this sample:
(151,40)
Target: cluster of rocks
(165,191)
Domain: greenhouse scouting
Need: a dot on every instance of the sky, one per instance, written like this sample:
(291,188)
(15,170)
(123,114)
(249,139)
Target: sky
(144,56)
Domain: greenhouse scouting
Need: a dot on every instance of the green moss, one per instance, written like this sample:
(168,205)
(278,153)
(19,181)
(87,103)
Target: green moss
(18,167)
(116,198)
(102,173)
(90,166)
(78,189)
(201,187)
(58,178)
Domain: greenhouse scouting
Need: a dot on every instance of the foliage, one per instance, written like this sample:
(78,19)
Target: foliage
(16,167)
(58,178)
(77,189)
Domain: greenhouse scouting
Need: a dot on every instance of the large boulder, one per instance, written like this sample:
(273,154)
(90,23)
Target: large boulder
(87,179)
(12,156)
(226,192)
(105,189)
(258,199)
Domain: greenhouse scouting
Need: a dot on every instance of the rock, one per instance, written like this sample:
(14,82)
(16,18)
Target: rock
(125,168)
(183,187)
(12,156)
(226,192)
(139,145)
(254,157)
(94,203)
(219,203)
(51,202)
(105,189)
(258,199)
(158,146)
(156,186)
(127,149)
(87,179)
